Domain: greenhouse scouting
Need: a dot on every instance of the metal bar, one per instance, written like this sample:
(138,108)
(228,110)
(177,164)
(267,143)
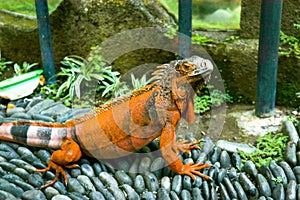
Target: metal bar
(43,19)
(268,57)
(185,28)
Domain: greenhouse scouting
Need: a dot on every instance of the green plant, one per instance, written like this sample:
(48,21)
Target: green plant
(24,68)
(290,44)
(3,64)
(199,39)
(269,147)
(215,98)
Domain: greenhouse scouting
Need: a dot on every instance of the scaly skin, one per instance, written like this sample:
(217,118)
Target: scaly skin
(126,124)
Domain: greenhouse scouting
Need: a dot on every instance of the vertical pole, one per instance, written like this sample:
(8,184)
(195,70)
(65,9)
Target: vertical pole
(42,15)
(185,28)
(268,57)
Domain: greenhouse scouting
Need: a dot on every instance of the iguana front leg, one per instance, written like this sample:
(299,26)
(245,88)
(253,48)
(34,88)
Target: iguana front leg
(65,157)
(167,140)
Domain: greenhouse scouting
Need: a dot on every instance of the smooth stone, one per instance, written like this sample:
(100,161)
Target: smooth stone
(21,173)
(236,161)
(23,164)
(36,180)
(229,187)
(278,192)
(73,113)
(166,183)
(174,196)
(208,146)
(43,155)
(117,193)
(25,186)
(196,194)
(97,183)
(145,165)
(107,194)
(205,190)
(278,172)
(27,155)
(97,168)
(290,153)
(87,170)
(232,174)
(195,154)
(21,115)
(12,177)
(215,157)
(15,110)
(133,170)
(223,192)
(151,181)
(8,152)
(162,194)
(148,196)
(96,195)
(157,165)
(250,168)
(43,118)
(55,110)
(290,191)
(131,193)
(225,160)
(234,147)
(86,183)
(60,187)
(185,195)
(248,186)
(123,178)
(75,186)
(77,196)
(240,191)
(11,188)
(177,184)
(139,184)
(32,103)
(202,158)
(289,129)
(61,197)
(50,192)
(287,170)
(75,172)
(263,186)
(33,194)
(107,179)
(187,183)
(43,105)
(296,171)
(7,195)
(267,173)
(8,166)
(198,181)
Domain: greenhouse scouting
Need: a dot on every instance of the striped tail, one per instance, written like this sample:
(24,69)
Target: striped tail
(39,134)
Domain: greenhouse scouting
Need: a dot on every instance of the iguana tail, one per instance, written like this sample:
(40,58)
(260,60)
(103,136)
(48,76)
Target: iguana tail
(39,134)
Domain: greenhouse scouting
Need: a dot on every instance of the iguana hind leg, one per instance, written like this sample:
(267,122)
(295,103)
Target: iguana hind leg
(63,158)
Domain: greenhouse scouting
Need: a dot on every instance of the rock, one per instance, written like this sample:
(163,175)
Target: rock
(263,186)
(86,183)
(139,184)
(291,190)
(208,146)
(7,195)
(249,168)
(225,160)
(117,193)
(21,115)
(107,179)
(290,130)
(185,195)
(229,188)
(278,192)
(61,197)
(15,110)
(123,178)
(151,181)
(287,170)
(234,147)
(73,113)
(95,195)
(32,103)
(148,196)
(131,194)
(36,180)
(41,106)
(50,192)
(55,110)
(290,153)
(278,172)
(33,194)
(177,184)
(43,118)
(248,186)
(87,170)
(162,194)
(75,186)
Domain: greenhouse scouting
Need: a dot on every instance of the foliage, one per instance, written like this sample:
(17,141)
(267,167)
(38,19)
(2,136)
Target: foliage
(290,45)
(24,68)
(269,147)
(208,100)
(3,64)
(25,6)
(198,39)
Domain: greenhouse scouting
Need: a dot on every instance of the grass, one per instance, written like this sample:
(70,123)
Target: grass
(26,7)
(199,23)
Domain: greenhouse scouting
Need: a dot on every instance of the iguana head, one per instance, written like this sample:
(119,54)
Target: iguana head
(194,70)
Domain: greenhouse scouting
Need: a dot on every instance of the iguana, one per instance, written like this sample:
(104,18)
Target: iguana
(126,124)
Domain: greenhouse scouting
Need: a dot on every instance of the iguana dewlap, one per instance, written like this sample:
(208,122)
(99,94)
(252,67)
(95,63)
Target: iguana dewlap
(126,124)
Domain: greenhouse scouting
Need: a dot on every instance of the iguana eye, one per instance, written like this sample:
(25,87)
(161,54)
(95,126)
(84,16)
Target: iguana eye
(185,67)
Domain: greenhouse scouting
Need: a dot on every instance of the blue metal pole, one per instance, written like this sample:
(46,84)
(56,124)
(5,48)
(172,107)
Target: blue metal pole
(185,28)
(43,19)
(268,57)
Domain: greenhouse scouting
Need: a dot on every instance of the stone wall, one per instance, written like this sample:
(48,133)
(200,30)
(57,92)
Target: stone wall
(250,17)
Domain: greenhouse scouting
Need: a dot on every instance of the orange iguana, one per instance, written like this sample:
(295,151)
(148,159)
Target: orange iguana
(126,124)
